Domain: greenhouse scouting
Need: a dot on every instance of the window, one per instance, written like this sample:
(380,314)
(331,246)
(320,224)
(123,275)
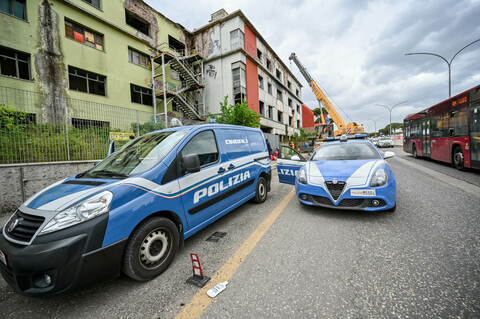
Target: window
(137,23)
(259,55)
(270,88)
(279,95)
(95,3)
(279,74)
(236,39)
(14,63)
(139,58)
(297,92)
(269,65)
(141,95)
(270,112)
(261,108)
(85,81)
(176,45)
(290,102)
(298,108)
(83,35)
(16,8)
(280,116)
(289,85)
(239,89)
(260,81)
(298,123)
(204,145)
(290,120)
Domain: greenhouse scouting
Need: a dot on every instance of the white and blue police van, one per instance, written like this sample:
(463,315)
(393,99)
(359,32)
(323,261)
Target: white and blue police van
(133,210)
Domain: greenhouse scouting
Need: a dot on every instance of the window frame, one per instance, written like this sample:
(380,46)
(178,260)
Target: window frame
(133,15)
(260,81)
(87,79)
(96,34)
(133,87)
(147,57)
(16,59)
(241,39)
(99,4)
(11,11)
(180,155)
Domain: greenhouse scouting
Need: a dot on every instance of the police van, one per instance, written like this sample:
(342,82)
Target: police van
(133,210)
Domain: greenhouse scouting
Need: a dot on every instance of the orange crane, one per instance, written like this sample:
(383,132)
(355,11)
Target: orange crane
(342,128)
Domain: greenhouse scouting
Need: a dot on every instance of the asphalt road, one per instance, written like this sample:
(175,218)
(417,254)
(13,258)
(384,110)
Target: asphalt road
(421,261)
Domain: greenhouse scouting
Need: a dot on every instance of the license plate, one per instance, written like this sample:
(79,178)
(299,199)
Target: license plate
(3,258)
(362,192)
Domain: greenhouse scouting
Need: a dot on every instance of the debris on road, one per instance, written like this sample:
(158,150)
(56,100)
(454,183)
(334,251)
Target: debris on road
(218,288)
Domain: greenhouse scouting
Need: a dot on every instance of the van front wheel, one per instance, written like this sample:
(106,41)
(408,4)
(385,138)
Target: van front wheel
(261,193)
(150,249)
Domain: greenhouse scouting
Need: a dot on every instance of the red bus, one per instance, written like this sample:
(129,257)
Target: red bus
(447,132)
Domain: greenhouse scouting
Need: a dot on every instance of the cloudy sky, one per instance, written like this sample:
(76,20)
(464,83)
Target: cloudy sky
(355,49)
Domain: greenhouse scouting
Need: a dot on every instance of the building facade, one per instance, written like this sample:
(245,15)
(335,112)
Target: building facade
(55,54)
(240,64)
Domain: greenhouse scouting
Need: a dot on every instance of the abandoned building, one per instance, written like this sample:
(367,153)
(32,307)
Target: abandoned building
(65,61)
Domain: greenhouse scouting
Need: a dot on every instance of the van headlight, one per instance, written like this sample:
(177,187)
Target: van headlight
(302,176)
(379,178)
(86,210)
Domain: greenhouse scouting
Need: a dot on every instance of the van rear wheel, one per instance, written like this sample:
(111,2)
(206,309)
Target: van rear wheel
(261,193)
(150,249)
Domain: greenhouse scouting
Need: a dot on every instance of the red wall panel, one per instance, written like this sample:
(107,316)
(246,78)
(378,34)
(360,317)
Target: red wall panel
(307,116)
(251,70)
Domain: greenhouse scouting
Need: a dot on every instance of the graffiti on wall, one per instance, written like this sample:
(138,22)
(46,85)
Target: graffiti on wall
(210,70)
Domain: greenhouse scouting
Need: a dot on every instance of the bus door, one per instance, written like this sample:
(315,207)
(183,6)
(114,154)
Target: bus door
(426,145)
(475,134)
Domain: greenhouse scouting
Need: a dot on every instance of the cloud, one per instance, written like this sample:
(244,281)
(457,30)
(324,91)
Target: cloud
(355,49)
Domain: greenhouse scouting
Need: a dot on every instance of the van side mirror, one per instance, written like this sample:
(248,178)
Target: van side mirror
(191,163)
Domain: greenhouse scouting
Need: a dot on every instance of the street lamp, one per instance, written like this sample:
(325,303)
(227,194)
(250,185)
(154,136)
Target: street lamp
(375,124)
(448,63)
(390,109)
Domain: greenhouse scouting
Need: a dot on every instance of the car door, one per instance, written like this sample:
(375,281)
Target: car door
(288,163)
(202,191)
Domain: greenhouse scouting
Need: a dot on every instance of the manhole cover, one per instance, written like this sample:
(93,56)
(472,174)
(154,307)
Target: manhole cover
(215,237)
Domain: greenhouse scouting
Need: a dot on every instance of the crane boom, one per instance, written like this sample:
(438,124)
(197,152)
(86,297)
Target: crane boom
(322,98)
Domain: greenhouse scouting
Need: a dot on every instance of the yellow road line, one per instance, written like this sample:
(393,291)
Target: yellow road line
(201,301)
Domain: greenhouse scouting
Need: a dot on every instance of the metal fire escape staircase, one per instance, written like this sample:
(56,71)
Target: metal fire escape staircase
(188,97)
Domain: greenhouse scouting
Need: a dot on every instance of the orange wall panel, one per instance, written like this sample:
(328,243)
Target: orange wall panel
(307,116)
(250,42)
(251,70)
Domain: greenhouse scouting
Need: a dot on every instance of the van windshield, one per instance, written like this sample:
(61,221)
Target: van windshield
(136,157)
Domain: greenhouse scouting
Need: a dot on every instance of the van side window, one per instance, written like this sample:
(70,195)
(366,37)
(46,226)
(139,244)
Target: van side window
(204,145)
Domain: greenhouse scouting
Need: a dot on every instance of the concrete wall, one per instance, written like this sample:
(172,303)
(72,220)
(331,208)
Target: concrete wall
(20,181)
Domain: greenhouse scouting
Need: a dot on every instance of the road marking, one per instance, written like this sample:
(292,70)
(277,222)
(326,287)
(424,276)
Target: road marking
(452,181)
(201,301)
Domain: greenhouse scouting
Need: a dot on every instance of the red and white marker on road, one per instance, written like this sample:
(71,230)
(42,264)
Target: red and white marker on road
(198,279)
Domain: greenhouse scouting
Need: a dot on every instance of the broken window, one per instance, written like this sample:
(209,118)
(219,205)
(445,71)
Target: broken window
(279,74)
(279,95)
(259,55)
(261,108)
(260,81)
(137,23)
(141,95)
(95,3)
(14,63)
(176,45)
(83,35)
(85,81)
(269,88)
(16,8)
(269,65)
(289,85)
(236,39)
(270,112)
(290,120)
(239,89)
(290,102)
(280,116)
(139,58)
(298,108)
(298,123)
(297,92)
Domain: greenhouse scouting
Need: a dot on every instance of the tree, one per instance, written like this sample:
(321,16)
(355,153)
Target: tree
(395,127)
(238,114)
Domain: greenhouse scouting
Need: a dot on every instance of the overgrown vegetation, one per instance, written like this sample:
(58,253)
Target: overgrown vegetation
(238,114)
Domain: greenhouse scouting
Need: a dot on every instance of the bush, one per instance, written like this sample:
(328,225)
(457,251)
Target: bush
(238,114)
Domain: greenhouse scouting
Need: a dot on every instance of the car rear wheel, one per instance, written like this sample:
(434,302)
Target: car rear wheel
(261,193)
(150,249)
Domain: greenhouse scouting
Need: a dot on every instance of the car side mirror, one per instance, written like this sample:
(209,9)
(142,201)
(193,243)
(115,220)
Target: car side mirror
(388,154)
(191,163)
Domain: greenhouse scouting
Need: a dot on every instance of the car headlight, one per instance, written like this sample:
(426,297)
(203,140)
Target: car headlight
(379,178)
(302,176)
(86,210)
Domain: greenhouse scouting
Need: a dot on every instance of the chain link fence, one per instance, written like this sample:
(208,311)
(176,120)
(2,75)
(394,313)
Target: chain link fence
(25,137)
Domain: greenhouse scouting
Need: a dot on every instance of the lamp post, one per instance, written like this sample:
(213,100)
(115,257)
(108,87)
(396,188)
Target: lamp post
(390,109)
(449,63)
(374,123)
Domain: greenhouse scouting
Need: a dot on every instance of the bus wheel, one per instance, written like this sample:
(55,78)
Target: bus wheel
(414,151)
(458,160)
(150,249)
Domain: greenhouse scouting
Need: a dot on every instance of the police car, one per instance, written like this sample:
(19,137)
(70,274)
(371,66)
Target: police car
(344,173)
(133,210)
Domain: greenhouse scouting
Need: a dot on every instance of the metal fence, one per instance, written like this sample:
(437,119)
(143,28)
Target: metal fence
(26,137)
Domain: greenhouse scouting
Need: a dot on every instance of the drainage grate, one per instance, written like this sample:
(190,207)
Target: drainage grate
(215,237)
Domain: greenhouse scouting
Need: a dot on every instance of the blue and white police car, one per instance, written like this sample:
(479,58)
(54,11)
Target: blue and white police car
(344,173)
(132,211)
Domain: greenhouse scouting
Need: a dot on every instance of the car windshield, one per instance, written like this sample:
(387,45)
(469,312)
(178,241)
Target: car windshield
(138,156)
(345,151)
